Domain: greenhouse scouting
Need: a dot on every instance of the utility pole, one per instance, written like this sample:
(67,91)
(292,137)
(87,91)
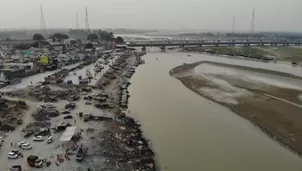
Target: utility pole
(77,21)
(42,24)
(86,20)
(233,26)
(253,22)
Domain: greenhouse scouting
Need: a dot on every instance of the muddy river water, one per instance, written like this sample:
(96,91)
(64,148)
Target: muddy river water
(189,132)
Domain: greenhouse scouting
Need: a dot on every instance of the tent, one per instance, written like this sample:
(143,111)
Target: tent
(3,77)
(67,135)
(44,60)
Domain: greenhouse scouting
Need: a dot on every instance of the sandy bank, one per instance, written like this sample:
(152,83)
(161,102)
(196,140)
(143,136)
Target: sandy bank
(269,99)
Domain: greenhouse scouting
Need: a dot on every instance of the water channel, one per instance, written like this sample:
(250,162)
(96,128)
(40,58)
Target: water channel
(189,132)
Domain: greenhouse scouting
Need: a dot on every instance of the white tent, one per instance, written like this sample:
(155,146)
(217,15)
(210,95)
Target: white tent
(67,135)
(2,77)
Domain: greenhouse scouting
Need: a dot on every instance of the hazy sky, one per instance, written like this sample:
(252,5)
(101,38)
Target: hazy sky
(271,15)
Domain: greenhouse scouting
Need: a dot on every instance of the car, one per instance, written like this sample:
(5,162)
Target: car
(70,106)
(88,103)
(15,151)
(12,155)
(68,117)
(49,140)
(21,143)
(38,138)
(66,112)
(16,168)
(28,134)
(26,146)
(88,98)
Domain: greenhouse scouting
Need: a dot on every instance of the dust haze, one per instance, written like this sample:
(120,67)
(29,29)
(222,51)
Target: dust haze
(271,15)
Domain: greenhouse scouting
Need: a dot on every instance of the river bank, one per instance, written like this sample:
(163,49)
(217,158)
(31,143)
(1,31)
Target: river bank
(247,52)
(291,55)
(114,140)
(274,107)
(190,132)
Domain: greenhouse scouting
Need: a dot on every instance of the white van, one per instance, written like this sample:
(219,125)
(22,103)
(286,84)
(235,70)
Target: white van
(49,140)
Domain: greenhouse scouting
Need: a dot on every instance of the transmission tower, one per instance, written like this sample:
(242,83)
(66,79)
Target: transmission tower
(233,26)
(253,22)
(77,21)
(43,26)
(86,19)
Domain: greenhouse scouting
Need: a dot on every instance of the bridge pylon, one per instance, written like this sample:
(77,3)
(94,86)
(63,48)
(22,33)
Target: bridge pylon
(163,48)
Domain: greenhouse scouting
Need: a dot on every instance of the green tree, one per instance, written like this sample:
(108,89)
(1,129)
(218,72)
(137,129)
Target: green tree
(73,42)
(59,36)
(89,46)
(119,40)
(105,36)
(38,37)
(92,36)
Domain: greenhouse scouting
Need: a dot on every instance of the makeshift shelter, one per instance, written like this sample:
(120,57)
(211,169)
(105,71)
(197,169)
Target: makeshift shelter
(44,60)
(67,135)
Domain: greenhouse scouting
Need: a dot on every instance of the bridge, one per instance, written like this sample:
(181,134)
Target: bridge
(6,42)
(183,43)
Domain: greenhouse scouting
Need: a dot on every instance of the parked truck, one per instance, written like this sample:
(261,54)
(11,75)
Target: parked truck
(34,161)
(16,168)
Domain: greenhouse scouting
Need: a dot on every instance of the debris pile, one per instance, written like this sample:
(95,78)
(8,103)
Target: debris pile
(45,111)
(45,93)
(11,113)
(126,146)
(122,144)
(36,128)
(124,95)
(114,71)
(57,77)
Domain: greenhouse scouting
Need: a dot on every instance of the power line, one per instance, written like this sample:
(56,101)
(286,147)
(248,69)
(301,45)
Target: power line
(233,26)
(42,24)
(253,22)
(77,21)
(86,19)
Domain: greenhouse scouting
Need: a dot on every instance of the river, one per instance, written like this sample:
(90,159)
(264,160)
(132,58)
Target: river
(189,132)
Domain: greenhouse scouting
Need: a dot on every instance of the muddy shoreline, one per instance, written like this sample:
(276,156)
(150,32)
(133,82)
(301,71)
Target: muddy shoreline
(115,83)
(275,118)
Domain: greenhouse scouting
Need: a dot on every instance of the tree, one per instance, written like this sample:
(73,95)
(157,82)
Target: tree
(59,36)
(89,46)
(92,36)
(119,40)
(38,37)
(73,42)
(23,46)
(104,35)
